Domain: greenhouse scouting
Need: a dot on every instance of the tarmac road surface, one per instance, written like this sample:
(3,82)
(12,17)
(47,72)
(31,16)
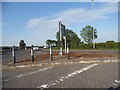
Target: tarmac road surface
(95,75)
(20,54)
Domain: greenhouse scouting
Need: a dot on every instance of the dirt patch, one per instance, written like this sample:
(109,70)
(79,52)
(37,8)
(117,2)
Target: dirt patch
(44,58)
(95,55)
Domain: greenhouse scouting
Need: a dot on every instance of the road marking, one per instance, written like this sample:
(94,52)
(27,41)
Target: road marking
(66,62)
(25,74)
(67,76)
(117,81)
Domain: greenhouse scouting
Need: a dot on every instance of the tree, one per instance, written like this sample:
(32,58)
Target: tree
(110,41)
(48,42)
(22,44)
(51,42)
(72,38)
(54,43)
(87,34)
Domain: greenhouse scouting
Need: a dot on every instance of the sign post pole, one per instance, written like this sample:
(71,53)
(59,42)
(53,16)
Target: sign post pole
(65,43)
(60,29)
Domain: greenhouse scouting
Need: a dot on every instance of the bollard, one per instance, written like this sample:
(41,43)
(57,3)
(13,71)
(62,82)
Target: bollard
(51,57)
(32,53)
(13,54)
(68,57)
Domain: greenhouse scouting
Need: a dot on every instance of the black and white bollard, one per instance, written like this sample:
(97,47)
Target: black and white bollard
(13,54)
(32,53)
(51,56)
(68,53)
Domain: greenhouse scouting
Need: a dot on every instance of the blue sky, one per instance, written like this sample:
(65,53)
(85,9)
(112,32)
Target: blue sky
(35,22)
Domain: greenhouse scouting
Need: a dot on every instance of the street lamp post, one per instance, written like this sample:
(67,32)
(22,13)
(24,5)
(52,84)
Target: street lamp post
(93,27)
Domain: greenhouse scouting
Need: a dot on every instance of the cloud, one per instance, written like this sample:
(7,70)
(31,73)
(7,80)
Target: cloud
(49,25)
(73,15)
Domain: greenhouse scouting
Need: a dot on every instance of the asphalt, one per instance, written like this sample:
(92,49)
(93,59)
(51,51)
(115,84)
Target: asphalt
(20,54)
(102,75)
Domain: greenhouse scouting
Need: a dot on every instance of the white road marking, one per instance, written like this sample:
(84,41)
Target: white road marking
(117,81)
(68,76)
(25,74)
(68,62)
(44,86)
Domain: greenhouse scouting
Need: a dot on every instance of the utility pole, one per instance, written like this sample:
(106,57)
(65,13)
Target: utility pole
(93,27)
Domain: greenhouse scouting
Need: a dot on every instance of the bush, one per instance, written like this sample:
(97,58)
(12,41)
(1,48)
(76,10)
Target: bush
(101,46)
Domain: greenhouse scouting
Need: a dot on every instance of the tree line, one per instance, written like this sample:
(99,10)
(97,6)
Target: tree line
(85,42)
(74,42)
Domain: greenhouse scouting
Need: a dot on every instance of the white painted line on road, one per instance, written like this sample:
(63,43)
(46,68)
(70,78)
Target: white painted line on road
(117,81)
(25,74)
(68,76)
(68,62)
(108,61)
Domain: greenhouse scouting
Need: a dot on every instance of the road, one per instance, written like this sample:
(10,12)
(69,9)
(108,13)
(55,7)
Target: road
(20,54)
(23,54)
(91,75)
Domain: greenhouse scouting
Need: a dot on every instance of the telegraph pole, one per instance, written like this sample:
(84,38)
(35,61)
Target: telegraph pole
(93,27)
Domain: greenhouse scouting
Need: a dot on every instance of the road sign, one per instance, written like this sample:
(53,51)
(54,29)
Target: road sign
(63,29)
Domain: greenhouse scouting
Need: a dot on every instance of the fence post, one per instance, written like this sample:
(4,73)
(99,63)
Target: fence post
(68,57)
(13,54)
(51,56)
(32,53)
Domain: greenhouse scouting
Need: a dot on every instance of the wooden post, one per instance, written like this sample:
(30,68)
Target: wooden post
(13,54)
(68,53)
(32,53)
(51,56)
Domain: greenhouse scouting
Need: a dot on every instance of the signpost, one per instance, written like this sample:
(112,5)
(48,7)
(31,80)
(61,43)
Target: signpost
(62,34)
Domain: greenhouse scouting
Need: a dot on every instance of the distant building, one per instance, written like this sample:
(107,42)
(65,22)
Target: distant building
(35,48)
(45,46)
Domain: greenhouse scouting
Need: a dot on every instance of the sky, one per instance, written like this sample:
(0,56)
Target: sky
(35,22)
